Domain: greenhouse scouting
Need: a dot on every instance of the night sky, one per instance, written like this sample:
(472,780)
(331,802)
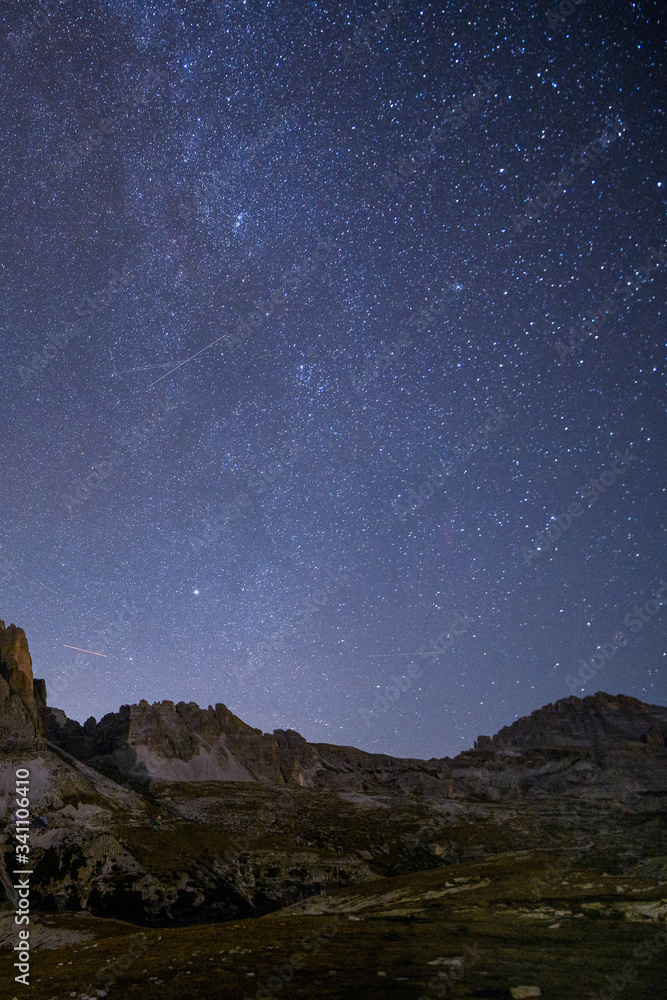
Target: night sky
(314,319)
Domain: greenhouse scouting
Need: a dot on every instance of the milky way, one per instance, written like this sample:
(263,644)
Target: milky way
(332,367)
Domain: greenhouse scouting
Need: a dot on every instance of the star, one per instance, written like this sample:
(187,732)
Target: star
(373,333)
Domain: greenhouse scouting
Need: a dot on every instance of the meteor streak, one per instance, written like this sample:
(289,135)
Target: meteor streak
(84,650)
(180,365)
(375,656)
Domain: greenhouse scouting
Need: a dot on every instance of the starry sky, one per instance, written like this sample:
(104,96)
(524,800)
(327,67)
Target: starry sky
(314,320)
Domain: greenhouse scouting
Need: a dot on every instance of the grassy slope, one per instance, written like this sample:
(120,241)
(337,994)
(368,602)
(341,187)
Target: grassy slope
(500,909)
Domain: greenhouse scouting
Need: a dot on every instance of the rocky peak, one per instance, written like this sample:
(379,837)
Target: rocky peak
(583,722)
(22,699)
(168,742)
(146,744)
(15,661)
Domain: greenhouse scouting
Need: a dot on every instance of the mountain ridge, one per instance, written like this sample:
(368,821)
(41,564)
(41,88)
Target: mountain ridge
(167,741)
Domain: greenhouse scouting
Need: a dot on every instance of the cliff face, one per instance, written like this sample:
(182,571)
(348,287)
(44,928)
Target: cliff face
(601,746)
(143,744)
(160,742)
(22,699)
(252,821)
(588,722)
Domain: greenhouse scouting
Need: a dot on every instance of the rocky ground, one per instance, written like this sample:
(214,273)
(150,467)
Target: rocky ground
(475,929)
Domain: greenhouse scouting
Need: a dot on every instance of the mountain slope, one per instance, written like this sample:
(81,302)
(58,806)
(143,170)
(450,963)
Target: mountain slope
(252,822)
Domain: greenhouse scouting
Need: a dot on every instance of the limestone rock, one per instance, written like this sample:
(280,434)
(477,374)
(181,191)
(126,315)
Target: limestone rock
(143,744)
(575,722)
(22,700)
(252,821)
(587,747)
